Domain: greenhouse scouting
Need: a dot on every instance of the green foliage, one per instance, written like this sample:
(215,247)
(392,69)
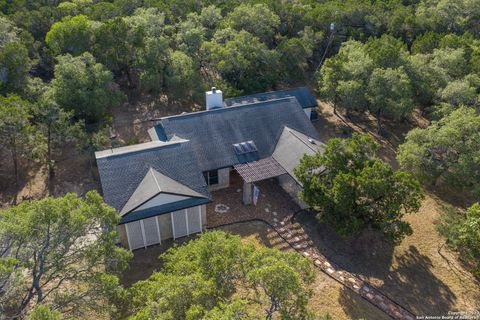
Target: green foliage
(426,43)
(62,248)
(389,93)
(44,312)
(17,135)
(343,79)
(353,190)
(369,77)
(14,66)
(448,150)
(181,78)
(256,19)
(463,235)
(85,87)
(386,51)
(72,35)
(242,60)
(210,278)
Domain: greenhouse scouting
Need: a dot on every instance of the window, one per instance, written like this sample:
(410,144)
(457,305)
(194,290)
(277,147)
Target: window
(211,177)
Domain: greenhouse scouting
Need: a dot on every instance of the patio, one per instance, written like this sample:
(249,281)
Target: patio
(274,205)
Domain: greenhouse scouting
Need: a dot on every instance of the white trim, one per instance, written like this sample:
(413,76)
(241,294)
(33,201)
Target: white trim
(186,221)
(158,230)
(155,178)
(128,237)
(143,234)
(200,218)
(173,225)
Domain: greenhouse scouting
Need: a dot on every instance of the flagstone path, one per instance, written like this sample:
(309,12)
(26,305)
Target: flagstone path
(279,216)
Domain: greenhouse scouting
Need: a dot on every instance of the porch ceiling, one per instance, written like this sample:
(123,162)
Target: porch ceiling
(260,170)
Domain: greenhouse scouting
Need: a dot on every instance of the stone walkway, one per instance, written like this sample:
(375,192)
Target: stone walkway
(279,215)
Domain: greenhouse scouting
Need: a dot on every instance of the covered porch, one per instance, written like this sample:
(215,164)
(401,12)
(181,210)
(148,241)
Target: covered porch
(274,204)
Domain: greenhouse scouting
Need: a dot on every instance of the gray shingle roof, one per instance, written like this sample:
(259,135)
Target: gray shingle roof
(212,133)
(303,95)
(152,184)
(291,147)
(121,173)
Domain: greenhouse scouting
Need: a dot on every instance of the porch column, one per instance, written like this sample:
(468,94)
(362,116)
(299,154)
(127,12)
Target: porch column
(247,193)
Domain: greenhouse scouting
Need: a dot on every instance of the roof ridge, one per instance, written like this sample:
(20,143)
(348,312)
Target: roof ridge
(294,132)
(226,108)
(112,152)
(155,178)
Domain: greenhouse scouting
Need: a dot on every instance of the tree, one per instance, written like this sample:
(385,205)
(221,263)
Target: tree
(181,76)
(448,150)
(241,60)
(343,78)
(463,235)
(459,92)
(73,35)
(152,62)
(14,67)
(190,35)
(212,278)
(452,61)
(351,189)
(61,252)
(386,52)
(294,53)
(85,87)
(281,278)
(426,43)
(389,94)
(58,127)
(256,19)
(17,135)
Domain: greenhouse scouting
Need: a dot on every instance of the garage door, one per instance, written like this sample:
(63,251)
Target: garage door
(143,233)
(179,224)
(194,220)
(186,222)
(134,235)
(151,231)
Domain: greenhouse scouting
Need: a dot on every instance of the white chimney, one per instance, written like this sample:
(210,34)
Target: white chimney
(214,99)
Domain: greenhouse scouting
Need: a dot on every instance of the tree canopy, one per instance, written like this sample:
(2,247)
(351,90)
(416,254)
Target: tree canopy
(60,252)
(85,87)
(448,150)
(212,277)
(352,189)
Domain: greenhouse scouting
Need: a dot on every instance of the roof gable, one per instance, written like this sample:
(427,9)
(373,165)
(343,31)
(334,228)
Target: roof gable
(153,184)
(291,147)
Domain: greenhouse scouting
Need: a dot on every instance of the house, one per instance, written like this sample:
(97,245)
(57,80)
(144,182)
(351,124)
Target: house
(161,188)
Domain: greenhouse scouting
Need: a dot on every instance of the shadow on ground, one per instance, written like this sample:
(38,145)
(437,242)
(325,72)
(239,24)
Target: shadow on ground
(405,277)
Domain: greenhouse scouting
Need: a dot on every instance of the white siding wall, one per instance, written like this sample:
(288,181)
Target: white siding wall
(223,179)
